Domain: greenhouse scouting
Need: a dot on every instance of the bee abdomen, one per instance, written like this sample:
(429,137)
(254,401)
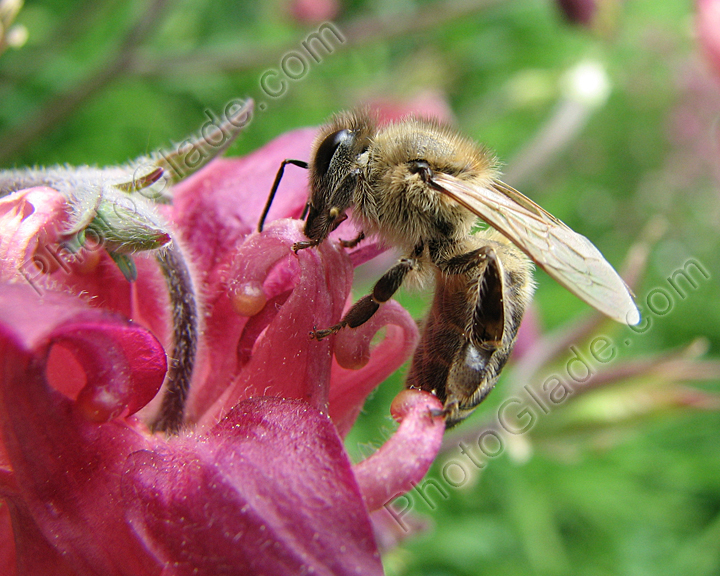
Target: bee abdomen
(472,326)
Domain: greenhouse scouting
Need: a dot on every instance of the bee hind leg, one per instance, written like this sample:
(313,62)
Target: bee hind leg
(494,282)
(486,294)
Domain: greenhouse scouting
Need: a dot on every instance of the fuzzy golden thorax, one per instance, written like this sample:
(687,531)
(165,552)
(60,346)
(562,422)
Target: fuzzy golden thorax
(394,201)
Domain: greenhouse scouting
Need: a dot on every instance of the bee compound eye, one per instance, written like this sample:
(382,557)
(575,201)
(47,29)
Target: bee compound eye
(327,148)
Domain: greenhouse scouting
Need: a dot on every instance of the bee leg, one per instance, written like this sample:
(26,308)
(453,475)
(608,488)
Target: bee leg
(481,272)
(468,262)
(305,244)
(364,308)
(470,331)
(487,323)
(305,211)
(488,341)
(354,242)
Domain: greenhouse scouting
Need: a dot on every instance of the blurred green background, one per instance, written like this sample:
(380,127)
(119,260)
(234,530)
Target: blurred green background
(624,479)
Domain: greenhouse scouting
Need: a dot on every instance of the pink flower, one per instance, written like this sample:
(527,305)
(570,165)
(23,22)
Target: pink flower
(579,11)
(313,11)
(707,23)
(431,103)
(258,482)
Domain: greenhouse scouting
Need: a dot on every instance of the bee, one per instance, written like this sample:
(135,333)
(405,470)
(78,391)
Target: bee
(420,187)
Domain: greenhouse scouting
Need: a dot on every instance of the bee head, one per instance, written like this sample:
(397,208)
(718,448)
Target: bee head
(334,171)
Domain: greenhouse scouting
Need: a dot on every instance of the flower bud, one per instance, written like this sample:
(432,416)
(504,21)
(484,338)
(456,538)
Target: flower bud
(124,229)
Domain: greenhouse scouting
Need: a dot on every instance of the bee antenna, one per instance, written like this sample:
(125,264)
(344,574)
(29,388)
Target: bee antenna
(273,190)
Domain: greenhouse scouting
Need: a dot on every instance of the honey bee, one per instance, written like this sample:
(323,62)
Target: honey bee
(421,187)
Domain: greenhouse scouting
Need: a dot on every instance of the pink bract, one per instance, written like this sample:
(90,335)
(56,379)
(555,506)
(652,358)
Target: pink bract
(260,482)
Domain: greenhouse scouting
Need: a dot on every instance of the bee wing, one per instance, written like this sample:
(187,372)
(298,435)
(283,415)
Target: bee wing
(568,257)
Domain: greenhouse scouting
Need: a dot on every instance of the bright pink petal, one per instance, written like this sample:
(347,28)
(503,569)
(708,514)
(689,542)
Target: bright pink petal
(407,456)
(65,466)
(427,104)
(365,252)
(269,491)
(359,369)
(275,354)
(30,220)
(31,553)
(7,542)
(123,367)
(256,292)
(215,209)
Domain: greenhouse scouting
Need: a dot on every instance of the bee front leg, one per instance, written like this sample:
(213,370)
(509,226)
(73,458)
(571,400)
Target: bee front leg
(364,308)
